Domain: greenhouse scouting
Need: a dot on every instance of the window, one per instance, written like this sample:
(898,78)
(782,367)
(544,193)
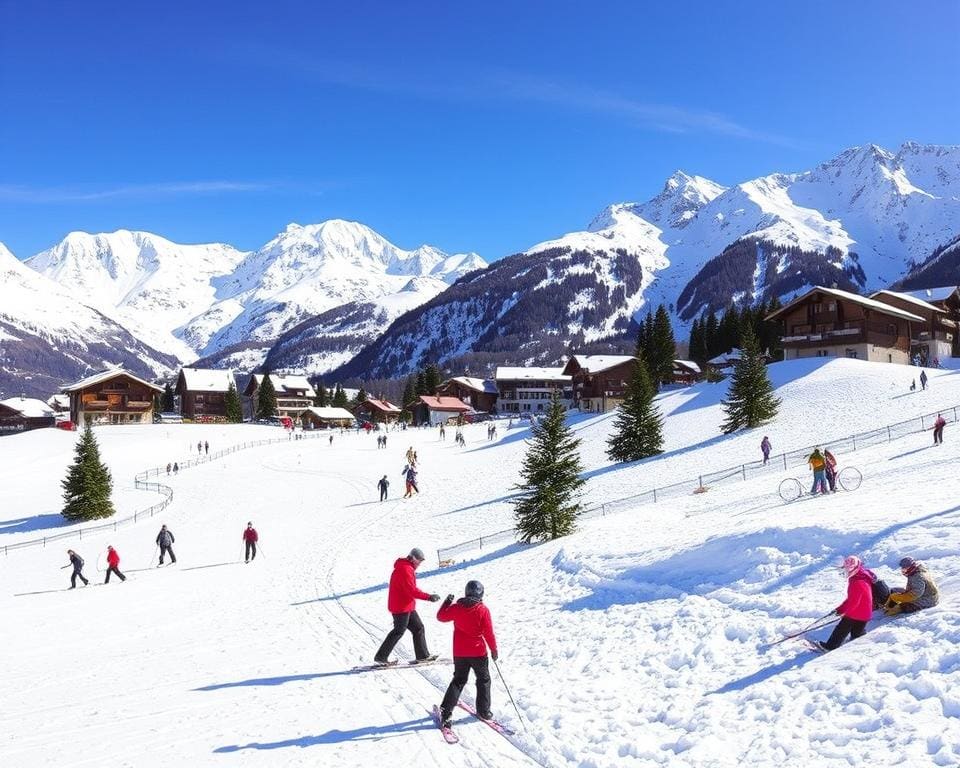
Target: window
(823,353)
(852,353)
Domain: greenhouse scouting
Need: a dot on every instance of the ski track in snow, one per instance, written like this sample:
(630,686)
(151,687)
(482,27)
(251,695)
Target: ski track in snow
(636,642)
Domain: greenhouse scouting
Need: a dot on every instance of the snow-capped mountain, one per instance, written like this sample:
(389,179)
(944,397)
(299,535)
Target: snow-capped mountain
(145,282)
(49,339)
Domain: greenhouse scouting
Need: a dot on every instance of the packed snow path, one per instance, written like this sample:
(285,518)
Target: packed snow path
(636,642)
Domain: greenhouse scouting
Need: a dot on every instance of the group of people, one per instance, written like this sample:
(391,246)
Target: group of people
(824,466)
(381,441)
(923,382)
(472,633)
(491,431)
(867,593)
(164,541)
(203,447)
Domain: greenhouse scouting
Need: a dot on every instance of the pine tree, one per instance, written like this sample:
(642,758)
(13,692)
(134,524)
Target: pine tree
(340,398)
(409,392)
(698,343)
(646,336)
(321,399)
(266,399)
(661,348)
(167,404)
(421,385)
(361,396)
(750,400)
(232,404)
(638,427)
(549,502)
(431,379)
(710,336)
(87,486)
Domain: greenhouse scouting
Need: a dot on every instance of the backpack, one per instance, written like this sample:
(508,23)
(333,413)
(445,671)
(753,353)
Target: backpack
(881,593)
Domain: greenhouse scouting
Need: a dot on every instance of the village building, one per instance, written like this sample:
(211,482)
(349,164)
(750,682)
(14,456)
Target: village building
(479,394)
(599,382)
(377,411)
(112,397)
(725,362)
(437,409)
(21,414)
(527,391)
(686,372)
(933,339)
(326,417)
(294,394)
(59,403)
(828,322)
(203,393)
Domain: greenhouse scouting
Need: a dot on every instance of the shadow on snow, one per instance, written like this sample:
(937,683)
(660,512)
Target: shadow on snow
(336,736)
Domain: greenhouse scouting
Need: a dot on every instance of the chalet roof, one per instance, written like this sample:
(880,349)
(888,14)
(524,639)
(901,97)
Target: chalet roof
(478,385)
(531,374)
(847,296)
(329,412)
(207,379)
(598,363)
(933,294)
(688,364)
(59,401)
(921,303)
(733,355)
(28,407)
(98,378)
(440,403)
(286,382)
(381,405)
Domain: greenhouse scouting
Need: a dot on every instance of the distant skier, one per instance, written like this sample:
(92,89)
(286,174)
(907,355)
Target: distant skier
(113,565)
(330,441)
(472,635)
(165,542)
(920,592)
(384,441)
(77,562)
(443,432)
(923,379)
(176,468)
(765,446)
(410,475)
(402,599)
(857,609)
(206,448)
(199,447)
(818,464)
(384,486)
(913,385)
(169,467)
(938,426)
(411,456)
(250,539)
(830,469)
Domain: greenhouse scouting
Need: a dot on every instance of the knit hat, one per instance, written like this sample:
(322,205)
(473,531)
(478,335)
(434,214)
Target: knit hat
(851,564)
(474,589)
(907,562)
(416,554)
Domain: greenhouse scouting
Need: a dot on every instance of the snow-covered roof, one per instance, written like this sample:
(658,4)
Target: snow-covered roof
(330,413)
(285,382)
(59,401)
(381,405)
(441,403)
(597,363)
(923,304)
(529,374)
(478,385)
(97,378)
(207,379)
(733,355)
(932,294)
(855,298)
(688,364)
(28,407)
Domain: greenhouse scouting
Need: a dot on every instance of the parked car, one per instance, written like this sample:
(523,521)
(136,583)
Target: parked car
(67,425)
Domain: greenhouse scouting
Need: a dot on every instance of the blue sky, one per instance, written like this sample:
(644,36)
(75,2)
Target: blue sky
(481,126)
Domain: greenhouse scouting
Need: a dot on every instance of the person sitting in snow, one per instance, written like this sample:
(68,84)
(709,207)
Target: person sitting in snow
(921,590)
(857,609)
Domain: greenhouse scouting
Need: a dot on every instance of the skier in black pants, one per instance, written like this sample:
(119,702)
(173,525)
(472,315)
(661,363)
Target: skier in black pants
(384,486)
(402,599)
(77,562)
(251,538)
(165,542)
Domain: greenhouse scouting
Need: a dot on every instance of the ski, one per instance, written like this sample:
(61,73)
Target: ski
(812,645)
(497,726)
(395,664)
(448,735)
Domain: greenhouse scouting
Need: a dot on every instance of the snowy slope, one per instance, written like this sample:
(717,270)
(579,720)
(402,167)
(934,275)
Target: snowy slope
(637,641)
(48,339)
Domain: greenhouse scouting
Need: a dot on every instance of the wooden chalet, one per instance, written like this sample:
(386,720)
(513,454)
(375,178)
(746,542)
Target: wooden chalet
(599,381)
(294,393)
(377,411)
(328,417)
(527,390)
(479,394)
(936,337)
(203,393)
(21,414)
(686,372)
(828,322)
(112,397)
(437,409)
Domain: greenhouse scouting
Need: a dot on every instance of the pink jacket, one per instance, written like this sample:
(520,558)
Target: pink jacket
(859,602)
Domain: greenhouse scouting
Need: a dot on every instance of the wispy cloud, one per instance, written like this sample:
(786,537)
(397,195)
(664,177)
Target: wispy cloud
(81,193)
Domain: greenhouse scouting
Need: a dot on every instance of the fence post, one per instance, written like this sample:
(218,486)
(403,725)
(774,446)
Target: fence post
(888,433)
(481,542)
(784,461)
(921,424)
(654,495)
(854,438)
(744,467)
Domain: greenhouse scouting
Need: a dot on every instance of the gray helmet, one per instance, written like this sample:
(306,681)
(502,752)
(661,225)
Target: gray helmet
(474,589)
(416,554)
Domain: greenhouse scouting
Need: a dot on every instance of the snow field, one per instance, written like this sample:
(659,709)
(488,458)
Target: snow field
(637,641)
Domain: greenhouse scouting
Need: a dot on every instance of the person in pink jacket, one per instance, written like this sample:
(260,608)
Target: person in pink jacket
(857,609)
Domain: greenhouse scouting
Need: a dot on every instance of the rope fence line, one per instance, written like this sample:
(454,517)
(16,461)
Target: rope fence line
(742,472)
(141,482)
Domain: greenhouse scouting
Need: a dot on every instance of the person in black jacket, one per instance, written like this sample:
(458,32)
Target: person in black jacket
(165,542)
(384,486)
(77,562)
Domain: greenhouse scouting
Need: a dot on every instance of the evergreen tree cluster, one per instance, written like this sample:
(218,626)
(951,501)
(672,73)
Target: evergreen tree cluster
(656,346)
(940,268)
(710,337)
(548,505)
(234,407)
(266,398)
(750,400)
(88,484)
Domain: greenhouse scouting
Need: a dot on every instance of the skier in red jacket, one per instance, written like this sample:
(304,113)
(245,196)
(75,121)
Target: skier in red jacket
(472,635)
(113,563)
(857,609)
(250,538)
(402,603)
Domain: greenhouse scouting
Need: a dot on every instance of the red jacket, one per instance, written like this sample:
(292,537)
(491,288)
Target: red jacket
(250,534)
(403,594)
(472,626)
(859,602)
(113,558)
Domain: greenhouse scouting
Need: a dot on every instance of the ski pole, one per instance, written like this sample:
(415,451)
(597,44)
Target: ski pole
(809,628)
(155,550)
(508,693)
